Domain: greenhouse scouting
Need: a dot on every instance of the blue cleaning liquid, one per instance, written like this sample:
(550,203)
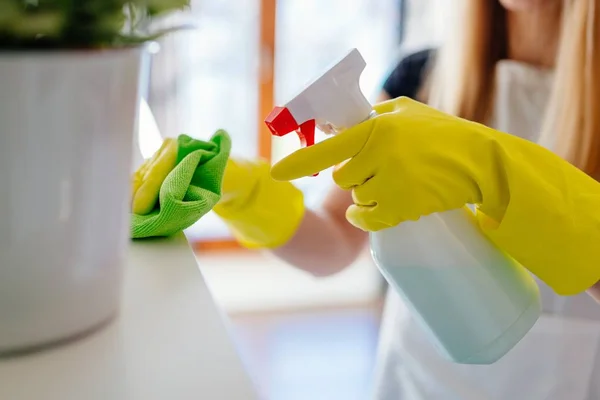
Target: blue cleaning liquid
(475,302)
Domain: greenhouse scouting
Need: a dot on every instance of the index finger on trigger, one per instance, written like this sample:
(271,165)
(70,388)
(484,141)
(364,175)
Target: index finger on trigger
(325,154)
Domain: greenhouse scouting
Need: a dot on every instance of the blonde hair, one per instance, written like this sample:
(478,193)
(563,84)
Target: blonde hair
(462,79)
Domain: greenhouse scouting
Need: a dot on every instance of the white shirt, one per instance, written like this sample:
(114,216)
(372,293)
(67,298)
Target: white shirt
(559,359)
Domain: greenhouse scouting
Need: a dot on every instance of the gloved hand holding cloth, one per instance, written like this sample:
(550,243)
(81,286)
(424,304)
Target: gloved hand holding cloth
(411,160)
(178,185)
(259,211)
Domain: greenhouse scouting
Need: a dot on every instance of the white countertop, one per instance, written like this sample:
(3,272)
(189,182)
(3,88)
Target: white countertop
(169,342)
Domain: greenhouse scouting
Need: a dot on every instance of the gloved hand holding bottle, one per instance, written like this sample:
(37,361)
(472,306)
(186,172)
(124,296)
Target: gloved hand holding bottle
(412,160)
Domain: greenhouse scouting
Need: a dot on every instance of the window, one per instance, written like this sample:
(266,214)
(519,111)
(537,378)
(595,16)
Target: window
(249,55)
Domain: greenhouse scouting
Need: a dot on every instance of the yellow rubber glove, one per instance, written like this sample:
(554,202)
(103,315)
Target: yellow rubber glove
(149,177)
(412,160)
(261,212)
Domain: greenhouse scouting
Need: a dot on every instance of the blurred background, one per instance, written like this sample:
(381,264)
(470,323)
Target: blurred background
(301,337)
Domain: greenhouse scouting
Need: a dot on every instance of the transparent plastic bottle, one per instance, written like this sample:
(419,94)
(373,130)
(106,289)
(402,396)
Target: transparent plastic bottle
(475,302)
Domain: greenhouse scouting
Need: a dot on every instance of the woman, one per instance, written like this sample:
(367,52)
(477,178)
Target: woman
(523,66)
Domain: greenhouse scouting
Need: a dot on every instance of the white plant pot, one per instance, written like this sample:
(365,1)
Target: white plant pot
(67,123)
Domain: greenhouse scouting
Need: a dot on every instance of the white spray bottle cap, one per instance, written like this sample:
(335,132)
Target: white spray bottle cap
(333,102)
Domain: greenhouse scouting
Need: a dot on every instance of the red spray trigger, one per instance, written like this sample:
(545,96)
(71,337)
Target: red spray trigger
(306,133)
(281,122)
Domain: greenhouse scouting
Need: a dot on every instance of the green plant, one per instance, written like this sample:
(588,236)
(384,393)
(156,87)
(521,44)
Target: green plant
(55,24)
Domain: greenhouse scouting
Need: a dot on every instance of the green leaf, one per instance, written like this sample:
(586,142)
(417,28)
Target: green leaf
(39,24)
(31,24)
(9,12)
(156,7)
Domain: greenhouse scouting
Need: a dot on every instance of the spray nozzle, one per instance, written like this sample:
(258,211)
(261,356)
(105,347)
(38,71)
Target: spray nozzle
(332,102)
(281,122)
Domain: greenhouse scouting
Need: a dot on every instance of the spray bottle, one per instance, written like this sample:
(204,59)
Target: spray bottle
(475,302)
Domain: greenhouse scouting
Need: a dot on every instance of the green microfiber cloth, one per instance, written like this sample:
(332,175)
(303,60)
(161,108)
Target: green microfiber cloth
(190,190)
